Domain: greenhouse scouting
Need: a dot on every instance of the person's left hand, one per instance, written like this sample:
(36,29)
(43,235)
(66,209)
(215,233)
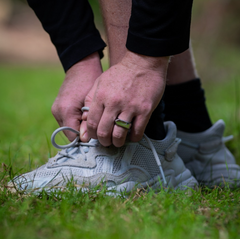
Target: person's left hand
(130,91)
(79,80)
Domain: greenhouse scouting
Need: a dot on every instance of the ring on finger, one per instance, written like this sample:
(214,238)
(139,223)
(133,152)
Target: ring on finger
(122,123)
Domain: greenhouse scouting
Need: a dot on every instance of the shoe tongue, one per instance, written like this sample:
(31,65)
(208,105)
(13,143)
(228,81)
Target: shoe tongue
(218,128)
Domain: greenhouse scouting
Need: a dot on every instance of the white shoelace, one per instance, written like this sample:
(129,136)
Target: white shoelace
(72,147)
(83,147)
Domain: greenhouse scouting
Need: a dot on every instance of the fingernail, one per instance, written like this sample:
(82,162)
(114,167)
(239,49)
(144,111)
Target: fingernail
(84,137)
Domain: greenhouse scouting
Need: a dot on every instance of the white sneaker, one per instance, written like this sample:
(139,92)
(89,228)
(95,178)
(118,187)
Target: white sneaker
(207,157)
(121,169)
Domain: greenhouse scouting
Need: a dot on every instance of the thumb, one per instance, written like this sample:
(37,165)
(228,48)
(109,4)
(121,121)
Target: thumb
(83,132)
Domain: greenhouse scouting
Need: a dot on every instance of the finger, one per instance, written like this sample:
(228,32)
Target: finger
(105,127)
(138,128)
(85,115)
(73,123)
(93,119)
(119,133)
(90,116)
(83,132)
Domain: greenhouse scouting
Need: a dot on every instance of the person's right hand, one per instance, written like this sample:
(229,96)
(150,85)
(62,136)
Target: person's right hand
(129,91)
(78,82)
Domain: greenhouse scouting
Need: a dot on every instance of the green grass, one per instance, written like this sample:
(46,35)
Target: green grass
(26,96)
(203,214)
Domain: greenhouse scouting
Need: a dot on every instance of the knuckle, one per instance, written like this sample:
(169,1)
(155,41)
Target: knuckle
(88,99)
(100,95)
(118,136)
(102,134)
(58,108)
(54,109)
(115,101)
(111,100)
(92,125)
(146,108)
(64,110)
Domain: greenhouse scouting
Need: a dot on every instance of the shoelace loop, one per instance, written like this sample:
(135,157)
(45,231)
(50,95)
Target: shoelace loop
(72,144)
(71,147)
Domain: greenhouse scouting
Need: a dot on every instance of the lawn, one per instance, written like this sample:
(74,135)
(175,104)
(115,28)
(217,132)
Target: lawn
(26,96)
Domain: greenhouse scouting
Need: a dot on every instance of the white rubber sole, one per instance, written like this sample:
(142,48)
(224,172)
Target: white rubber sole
(183,181)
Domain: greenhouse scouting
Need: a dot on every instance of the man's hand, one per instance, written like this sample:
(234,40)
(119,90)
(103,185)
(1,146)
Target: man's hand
(130,91)
(77,84)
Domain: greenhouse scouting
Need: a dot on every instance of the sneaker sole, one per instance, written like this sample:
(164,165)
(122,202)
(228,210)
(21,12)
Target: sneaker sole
(182,181)
(219,175)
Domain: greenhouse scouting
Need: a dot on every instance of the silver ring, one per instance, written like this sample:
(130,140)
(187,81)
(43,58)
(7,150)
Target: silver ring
(122,123)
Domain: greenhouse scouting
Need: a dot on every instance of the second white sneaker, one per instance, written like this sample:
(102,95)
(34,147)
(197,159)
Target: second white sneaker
(207,157)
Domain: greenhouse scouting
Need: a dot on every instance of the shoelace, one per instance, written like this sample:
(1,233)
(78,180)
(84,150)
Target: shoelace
(76,144)
(72,147)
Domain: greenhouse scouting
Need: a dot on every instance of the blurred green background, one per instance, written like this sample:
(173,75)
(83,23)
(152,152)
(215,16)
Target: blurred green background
(30,75)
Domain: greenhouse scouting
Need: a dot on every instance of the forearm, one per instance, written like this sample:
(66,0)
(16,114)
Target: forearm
(71,28)
(159,27)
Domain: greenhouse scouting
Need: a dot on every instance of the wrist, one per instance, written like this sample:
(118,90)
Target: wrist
(87,70)
(90,62)
(135,60)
